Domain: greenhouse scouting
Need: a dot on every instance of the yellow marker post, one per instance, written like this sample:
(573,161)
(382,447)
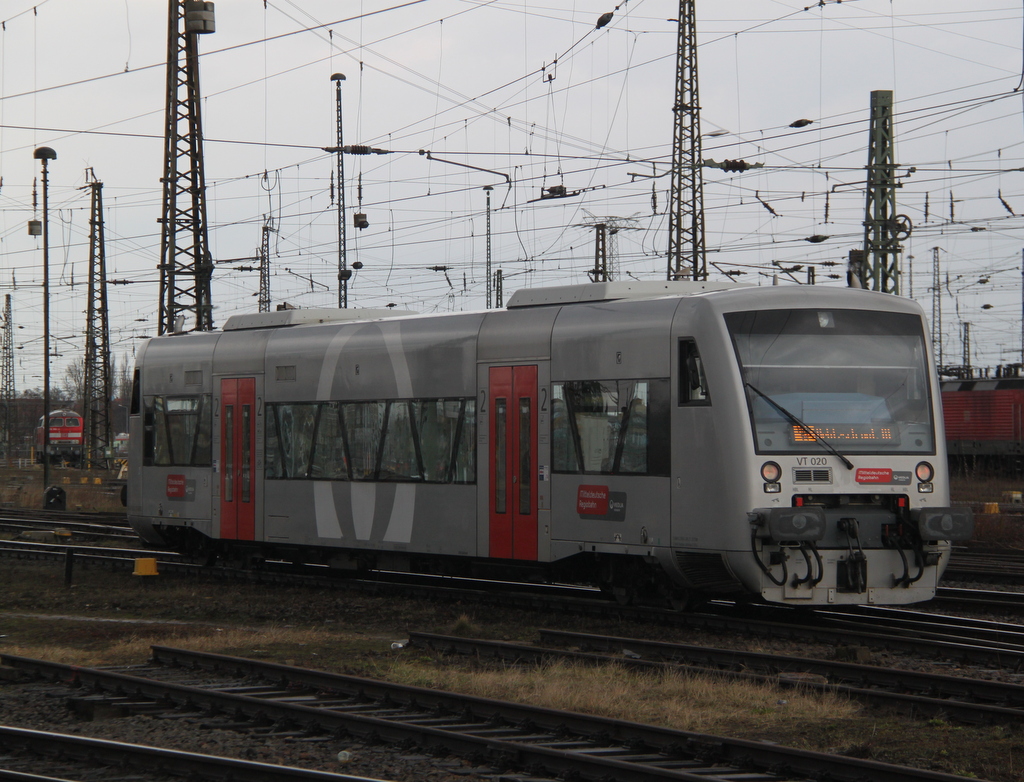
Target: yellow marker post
(145,566)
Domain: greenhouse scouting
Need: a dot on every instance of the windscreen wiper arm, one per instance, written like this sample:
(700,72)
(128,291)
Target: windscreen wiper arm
(818,438)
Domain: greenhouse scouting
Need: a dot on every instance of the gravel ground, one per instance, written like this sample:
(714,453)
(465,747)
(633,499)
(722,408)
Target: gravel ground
(119,609)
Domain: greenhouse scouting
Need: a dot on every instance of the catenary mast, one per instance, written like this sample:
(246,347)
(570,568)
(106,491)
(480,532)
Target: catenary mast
(186,266)
(686,253)
(97,375)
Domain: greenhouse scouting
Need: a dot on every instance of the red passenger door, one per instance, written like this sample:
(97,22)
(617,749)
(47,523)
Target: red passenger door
(237,451)
(513,462)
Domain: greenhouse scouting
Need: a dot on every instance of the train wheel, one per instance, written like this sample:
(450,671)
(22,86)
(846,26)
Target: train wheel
(622,579)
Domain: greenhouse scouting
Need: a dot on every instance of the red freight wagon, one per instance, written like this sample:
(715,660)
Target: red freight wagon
(984,417)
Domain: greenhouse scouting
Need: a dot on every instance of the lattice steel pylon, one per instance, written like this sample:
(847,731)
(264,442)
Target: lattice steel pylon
(7,391)
(264,297)
(186,266)
(686,254)
(98,382)
(883,228)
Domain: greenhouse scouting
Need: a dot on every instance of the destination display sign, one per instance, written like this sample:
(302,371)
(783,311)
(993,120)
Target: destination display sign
(862,433)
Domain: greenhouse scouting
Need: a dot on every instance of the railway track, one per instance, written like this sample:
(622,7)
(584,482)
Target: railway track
(956,697)
(546,742)
(993,566)
(108,518)
(41,756)
(980,598)
(999,644)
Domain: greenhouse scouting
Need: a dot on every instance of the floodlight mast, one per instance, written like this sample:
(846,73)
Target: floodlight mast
(46,154)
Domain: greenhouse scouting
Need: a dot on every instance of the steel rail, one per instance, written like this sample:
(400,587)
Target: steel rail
(168,761)
(920,624)
(58,550)
(591,748)
(70,530)
(796,626)
(989,598)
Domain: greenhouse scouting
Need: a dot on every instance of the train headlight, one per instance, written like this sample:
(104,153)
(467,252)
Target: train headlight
(771,472)
(924,472)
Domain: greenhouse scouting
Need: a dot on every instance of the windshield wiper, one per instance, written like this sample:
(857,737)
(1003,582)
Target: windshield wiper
(818,438)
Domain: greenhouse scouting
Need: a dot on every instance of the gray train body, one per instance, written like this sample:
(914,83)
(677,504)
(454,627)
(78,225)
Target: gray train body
(679,439)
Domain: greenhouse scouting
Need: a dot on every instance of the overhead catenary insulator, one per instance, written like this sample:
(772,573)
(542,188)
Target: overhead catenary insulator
(732,165)
(199,17)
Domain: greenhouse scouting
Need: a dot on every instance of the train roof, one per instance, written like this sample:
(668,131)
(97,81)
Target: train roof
(611,291)
(300,317)
(557,295)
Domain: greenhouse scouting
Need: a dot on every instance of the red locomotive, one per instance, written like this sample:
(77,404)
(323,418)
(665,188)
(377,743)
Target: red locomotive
(65,438)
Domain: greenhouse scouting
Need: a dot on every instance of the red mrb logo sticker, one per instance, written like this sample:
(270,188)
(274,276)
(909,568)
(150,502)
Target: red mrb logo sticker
(180,488)
(592,500)
(597,502)
(882,475)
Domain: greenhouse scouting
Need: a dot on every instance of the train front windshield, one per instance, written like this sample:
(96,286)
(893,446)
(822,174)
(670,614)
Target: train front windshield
(857,379)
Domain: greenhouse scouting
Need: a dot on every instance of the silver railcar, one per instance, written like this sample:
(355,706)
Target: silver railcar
(678,439)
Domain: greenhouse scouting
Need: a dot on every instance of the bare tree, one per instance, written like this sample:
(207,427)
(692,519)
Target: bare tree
(72,388)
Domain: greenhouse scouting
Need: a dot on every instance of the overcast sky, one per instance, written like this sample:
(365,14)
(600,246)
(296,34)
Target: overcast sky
(539,97)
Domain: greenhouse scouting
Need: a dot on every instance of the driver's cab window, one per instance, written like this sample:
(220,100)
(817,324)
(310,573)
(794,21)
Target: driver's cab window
(693,384)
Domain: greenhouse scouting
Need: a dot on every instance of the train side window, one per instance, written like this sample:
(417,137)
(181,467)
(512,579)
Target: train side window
(274,458)
(436,427)
(136,400)
(500,494)
(611,427)
(157,437)
(187,427)
(465,455)
(399,459)
(148,433)
(693,383)
(525,451)
(330,461)
(563,442)
(431,440)
(364,422)
(202,446)
(295,438)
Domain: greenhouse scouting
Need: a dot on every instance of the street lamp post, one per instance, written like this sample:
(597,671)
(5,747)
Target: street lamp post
(46,154)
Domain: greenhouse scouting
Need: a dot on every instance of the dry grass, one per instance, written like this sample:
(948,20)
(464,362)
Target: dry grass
(669,699)
(134,647)
(24,489)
